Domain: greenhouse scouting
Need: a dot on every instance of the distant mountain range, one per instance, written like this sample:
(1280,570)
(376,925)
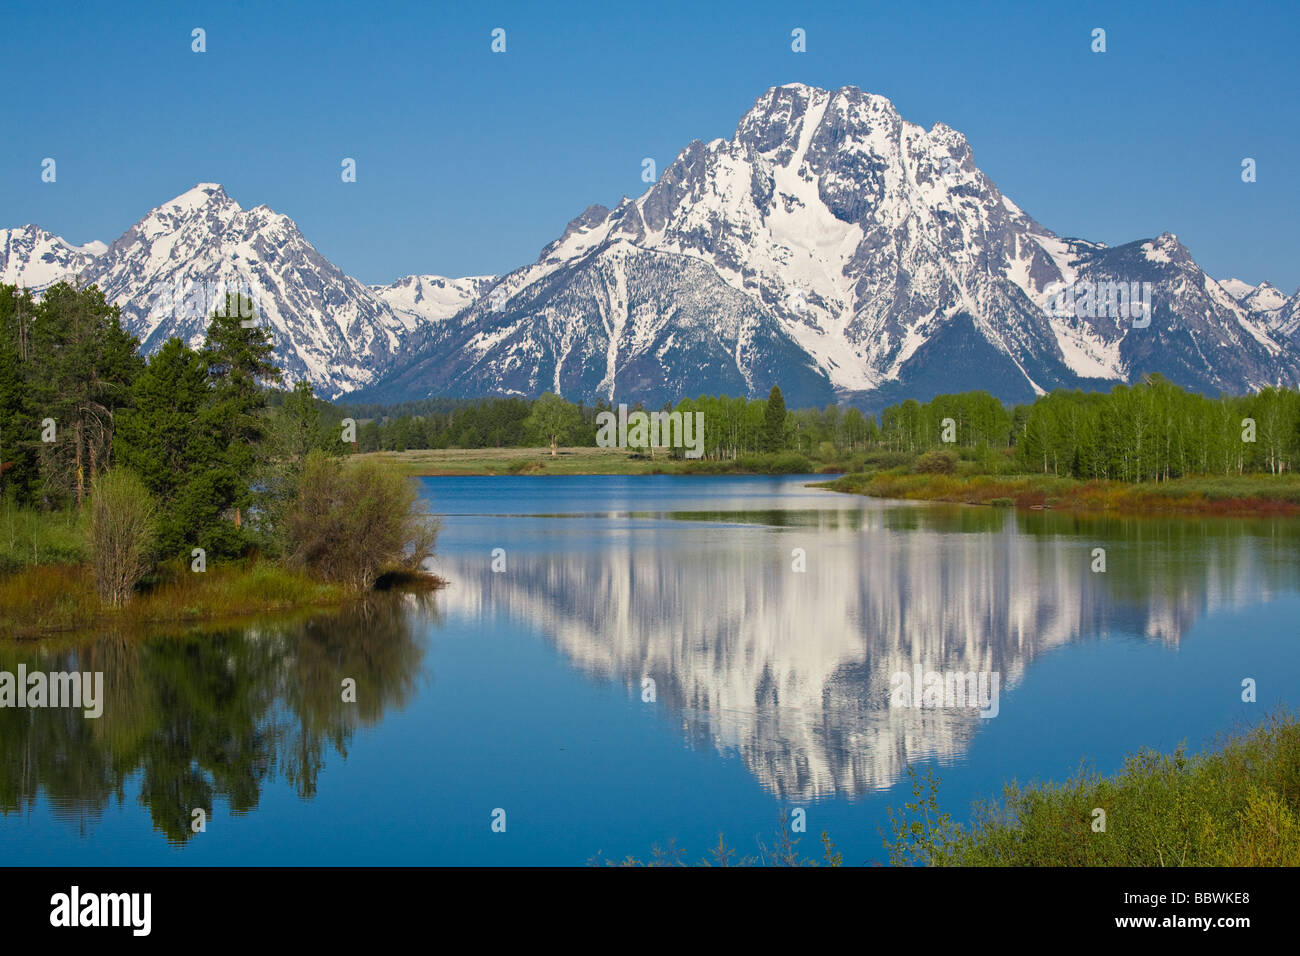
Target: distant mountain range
(829,246)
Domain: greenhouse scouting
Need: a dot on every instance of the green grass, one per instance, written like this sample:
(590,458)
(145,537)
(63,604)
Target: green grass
(1236,805)
(30,537)
(588,461)
(48,599)
(1236,494)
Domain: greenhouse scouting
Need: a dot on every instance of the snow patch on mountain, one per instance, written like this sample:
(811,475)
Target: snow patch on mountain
(428,298)
(32,258)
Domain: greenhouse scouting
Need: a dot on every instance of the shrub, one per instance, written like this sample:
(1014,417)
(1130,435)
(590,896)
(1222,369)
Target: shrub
(1235,805)
(885,460)
(122,528)
(936,462)
(350,522)
(790,463)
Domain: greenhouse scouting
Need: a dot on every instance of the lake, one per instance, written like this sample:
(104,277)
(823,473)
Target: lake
(646,664)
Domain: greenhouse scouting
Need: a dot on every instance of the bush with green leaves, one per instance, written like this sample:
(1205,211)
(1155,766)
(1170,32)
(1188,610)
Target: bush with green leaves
(352,521)
(122,523)
(937,462)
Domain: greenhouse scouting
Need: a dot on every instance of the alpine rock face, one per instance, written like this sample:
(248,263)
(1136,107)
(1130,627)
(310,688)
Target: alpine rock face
(421,299)
(35,259)
(837,250)
(173,267)
(829,247)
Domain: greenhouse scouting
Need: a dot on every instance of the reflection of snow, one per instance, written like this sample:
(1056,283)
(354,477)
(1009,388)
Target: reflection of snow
(791,670)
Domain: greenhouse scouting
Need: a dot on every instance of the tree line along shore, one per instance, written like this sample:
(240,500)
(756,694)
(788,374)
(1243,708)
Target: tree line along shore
(1148,447)
(181,487)
(168,487)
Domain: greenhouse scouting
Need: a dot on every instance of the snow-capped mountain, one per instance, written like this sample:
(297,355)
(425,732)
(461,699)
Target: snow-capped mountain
(419,299)
(35,259)
(836,249)
(1265,299)
(829,246)
(173,267)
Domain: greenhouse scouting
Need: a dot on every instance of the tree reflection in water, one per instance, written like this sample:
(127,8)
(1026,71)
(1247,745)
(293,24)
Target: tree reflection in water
(209,715)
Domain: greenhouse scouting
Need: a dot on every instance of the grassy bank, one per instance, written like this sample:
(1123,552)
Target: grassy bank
(1240,494)
(588,461)
(51,599)
(1235,805)
(971,484)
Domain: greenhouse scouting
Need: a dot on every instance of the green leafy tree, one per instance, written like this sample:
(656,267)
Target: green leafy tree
(552,420)
(351,522)
(121,533)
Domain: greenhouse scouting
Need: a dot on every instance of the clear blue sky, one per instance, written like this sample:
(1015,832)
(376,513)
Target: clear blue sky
(469,162)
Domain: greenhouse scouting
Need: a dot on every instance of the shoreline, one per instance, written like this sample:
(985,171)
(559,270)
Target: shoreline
(1249,495)
(587,461)
(1245,496)
(59,601)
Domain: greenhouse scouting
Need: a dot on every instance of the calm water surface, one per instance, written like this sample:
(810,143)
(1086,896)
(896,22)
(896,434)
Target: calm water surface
(523,690)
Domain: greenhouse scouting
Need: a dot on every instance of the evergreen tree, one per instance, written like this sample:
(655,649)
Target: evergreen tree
(773,434)
(237,357)
(82,364)
(18,426)
(296,426)
(159,440)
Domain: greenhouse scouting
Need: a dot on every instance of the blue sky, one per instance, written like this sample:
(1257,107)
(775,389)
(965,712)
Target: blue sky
(469,162)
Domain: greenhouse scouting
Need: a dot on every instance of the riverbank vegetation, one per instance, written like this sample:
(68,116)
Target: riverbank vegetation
(1232,495)
(181,486)
(578,460)
(1237,804)
(1149,446)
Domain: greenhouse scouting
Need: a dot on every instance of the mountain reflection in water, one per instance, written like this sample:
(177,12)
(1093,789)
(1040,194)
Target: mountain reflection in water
(792,670)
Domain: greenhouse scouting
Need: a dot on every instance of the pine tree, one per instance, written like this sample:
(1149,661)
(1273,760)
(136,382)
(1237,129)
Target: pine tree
(773,436)
(18,426)
(159,439)
(237,356)
(81,367)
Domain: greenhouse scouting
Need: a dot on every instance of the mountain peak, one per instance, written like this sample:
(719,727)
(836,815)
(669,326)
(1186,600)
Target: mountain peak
(203,194)
(35,258)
